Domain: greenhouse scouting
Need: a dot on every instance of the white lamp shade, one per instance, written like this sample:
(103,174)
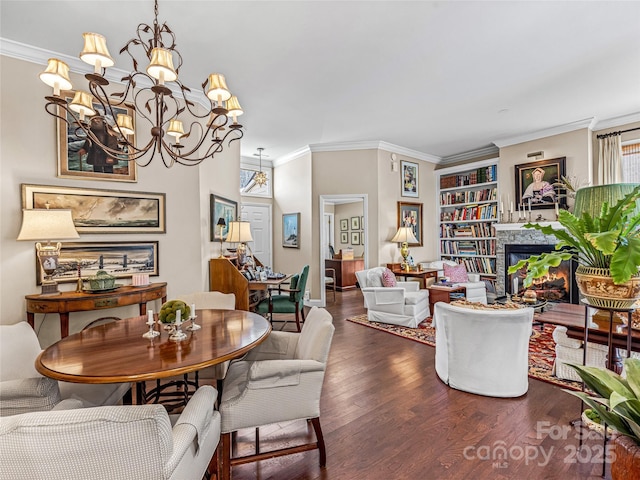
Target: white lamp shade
(239,232)
(45,224)
(404,234)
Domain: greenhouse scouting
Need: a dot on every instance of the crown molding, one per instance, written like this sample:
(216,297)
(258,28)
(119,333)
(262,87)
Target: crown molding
(481,152)
(40,56)
(289,157)
(547,132)
(617,121)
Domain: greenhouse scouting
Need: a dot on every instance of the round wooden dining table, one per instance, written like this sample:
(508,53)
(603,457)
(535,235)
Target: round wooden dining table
(117,352)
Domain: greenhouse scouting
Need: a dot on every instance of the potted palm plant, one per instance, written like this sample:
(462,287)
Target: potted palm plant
(603,236)
(618,404)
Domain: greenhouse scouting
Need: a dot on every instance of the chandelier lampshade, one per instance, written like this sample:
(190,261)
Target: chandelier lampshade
(178,131)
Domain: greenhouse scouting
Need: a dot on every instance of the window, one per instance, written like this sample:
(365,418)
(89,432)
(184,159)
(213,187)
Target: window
(631,162)
(248,186)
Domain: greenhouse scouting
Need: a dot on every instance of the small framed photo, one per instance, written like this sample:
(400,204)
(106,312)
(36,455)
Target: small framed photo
(362,222)
(535,184)
(344,237)
(409,179)
(355,223)
(78,159)
(344,225)
(290,230)
(220,207)
(355,238)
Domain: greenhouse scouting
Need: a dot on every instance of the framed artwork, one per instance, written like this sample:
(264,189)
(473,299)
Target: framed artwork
(410,215)
(362,222)
(344,225)
(221,207)
(355,223)
(102,211)
(120,259)
(344,237)
(535,184)
(78,159)
(355,238)
(409,178)
(290,230)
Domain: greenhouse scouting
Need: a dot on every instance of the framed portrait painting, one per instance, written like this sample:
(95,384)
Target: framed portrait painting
(290,230)
(220,207)
(120,259)
(409,178)
(535,184)
(101,211)
(410,215)
(78,159)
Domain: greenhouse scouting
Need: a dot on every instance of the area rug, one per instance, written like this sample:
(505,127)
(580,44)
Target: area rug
(541,347)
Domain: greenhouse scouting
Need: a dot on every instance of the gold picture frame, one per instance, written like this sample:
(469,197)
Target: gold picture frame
(77,160)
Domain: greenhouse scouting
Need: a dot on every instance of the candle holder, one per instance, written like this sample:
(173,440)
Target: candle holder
(194,326)
(152,333)
(510,217)
(177,334)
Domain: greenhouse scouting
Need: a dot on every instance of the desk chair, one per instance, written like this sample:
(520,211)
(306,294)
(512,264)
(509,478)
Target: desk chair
(290,302)
(330,280)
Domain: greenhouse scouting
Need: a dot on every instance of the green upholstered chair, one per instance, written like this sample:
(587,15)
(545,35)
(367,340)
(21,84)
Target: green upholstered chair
(287,300)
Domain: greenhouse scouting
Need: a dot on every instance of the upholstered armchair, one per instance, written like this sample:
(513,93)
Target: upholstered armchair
(287,300)
(139,442)
(404,304)
(476,289)
(278,381)
(486,351)
(23,389)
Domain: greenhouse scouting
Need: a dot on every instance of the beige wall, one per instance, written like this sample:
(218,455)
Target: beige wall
(346,211)
(28,154)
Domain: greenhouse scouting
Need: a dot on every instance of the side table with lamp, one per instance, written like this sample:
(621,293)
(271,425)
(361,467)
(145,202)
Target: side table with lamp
(405,236)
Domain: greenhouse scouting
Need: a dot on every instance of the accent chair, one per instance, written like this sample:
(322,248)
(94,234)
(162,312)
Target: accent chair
(288,300)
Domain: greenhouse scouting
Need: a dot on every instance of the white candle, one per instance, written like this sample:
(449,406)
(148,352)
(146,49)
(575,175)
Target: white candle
(178,316)
(501,207)
(150,313)
(557,209)
(515,286)
(510,207)
(529,205)
(193,310)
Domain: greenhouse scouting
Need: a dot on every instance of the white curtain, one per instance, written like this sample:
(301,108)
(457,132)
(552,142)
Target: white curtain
(610,160)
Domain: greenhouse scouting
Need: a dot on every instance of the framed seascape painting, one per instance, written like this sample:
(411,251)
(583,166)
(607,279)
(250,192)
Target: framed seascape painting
(78,158)
(101,211)
(221,207)
(409,178)
(290,230)
(410,215)
(535,184)
(120,259)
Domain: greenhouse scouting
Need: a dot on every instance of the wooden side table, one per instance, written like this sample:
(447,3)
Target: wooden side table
(440,293)
(423,275)
(67,302)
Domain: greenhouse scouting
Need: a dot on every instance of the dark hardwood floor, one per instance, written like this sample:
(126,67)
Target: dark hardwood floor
(386,415)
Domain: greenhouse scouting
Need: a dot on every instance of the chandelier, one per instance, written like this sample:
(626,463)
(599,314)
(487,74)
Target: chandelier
(111,128)
(260,178)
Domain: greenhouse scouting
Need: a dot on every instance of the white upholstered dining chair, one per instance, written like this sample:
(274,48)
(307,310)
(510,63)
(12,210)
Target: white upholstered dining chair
(136,442)
(24,389)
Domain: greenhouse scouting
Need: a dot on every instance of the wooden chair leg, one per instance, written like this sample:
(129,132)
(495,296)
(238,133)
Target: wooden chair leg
(318,429)
(213,470)
(298,319)
(224,465)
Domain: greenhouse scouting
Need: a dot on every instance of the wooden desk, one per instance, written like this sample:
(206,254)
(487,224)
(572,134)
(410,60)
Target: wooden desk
(423,275)
(117,353)
(345,272)
(67,302)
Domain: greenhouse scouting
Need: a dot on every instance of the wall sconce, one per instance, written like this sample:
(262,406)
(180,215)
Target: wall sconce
(394,162)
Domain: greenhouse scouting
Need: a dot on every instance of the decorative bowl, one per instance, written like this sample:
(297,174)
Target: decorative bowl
(102,281)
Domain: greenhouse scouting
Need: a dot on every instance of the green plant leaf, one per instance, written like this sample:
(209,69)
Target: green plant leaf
(632,370)
(606,242)
(603,381)
(611,419)
(625,261)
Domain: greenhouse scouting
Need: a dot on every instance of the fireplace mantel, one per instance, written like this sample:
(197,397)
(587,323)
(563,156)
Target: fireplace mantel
(520,226)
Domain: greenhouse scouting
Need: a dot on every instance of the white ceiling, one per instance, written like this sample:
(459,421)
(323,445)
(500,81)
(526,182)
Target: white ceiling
(441,78)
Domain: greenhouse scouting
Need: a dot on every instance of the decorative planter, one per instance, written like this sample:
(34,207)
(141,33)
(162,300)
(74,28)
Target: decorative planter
(627,458)
(596,285)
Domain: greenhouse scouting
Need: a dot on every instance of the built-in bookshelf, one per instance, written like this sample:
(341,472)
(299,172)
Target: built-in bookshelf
(468,208)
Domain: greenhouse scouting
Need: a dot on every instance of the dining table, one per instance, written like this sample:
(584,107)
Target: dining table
(117,352)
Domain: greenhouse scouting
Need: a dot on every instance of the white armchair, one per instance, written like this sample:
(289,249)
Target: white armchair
(140,442)
(405,304)
(23,389)
(476,289)
(278,381)
(485,352)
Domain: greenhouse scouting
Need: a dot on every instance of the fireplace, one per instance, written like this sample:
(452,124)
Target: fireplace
(558,286)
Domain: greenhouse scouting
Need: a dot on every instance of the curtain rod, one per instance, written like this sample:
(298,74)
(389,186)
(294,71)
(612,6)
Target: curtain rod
(620,132)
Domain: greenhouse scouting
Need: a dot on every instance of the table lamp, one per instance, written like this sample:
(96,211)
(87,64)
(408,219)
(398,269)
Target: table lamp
(54,224)
(221,224)
(405,236)
(240,233)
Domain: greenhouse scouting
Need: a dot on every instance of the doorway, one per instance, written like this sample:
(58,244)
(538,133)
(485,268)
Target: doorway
(328,205)
(259,216)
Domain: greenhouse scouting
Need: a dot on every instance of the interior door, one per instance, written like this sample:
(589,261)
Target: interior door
(259,216)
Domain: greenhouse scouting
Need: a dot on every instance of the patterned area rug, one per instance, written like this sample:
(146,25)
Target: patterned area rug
(541,347)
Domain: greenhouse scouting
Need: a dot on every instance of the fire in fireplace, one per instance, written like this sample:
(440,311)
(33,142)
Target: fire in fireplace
(558,286)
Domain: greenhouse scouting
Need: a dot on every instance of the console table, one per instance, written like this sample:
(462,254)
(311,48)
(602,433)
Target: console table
(345,271)
(67,302)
